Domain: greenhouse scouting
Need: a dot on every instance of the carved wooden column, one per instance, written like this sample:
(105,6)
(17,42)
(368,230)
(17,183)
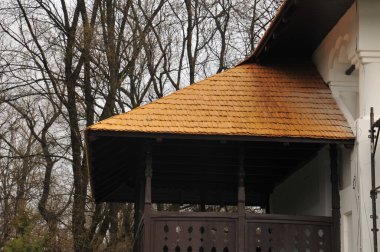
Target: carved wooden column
(335,198)
(148,199)
(241,202)
(139,208)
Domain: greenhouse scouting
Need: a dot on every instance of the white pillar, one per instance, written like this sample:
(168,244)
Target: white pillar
(369,96)
(368,63)
(369,87)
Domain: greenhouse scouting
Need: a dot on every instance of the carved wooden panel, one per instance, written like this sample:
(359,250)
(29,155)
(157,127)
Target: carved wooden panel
(217,232)
(194,235)
(288,237)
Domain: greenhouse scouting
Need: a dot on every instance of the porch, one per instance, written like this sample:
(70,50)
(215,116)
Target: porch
(222,172)
(235,139)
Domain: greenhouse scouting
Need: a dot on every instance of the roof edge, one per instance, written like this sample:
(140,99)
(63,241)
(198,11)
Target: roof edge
(286,6)
(89,159)
(98,133)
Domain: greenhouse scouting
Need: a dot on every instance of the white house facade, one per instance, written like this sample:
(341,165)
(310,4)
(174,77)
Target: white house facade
(355,40)
(348,59)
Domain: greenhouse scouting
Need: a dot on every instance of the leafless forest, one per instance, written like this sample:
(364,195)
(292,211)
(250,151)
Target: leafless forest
(65,65)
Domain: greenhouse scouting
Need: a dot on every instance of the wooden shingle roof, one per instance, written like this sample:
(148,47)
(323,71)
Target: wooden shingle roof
(252,100)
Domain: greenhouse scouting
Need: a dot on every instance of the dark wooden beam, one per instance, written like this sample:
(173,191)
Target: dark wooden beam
(250,168)
(148,198)
(226,161)
(198,181)
(241,201)
(216,137)
(208,173)
(335,198)
(208,145)
(139,200)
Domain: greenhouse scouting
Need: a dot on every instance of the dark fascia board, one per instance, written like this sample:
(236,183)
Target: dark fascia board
(285,9)
(283,18)
(102,133)
(89,162)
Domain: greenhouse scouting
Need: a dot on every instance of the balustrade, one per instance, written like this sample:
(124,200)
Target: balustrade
(214,232)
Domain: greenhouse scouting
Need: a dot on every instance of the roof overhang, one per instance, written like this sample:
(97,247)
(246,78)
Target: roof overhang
(298,29)
(91,135)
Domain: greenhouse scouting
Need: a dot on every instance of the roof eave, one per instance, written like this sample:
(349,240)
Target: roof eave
(285,139)
(285,8)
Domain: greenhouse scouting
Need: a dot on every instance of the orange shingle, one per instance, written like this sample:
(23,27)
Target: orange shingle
(248,100)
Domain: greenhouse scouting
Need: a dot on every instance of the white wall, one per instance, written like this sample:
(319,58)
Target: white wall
(369,28)
(307,191)
(355,40)
(349,200)
(334,56)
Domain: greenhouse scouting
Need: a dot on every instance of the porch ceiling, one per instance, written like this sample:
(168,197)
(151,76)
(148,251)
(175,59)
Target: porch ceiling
(193,171)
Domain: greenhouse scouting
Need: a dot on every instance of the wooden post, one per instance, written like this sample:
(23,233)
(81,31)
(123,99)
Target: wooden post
(267,203)
(241,202)
(335,198)
(148,199)
(139,210)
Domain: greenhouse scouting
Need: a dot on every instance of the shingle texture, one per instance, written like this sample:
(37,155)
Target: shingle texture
(248,100)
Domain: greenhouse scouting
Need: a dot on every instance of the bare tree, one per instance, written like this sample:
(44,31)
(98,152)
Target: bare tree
(67,64)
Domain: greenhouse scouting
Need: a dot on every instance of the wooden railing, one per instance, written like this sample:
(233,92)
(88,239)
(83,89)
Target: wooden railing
(194,232)
(214,232)
(288,233)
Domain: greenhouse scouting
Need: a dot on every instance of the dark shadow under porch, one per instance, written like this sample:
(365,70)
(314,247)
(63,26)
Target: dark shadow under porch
(213,172)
